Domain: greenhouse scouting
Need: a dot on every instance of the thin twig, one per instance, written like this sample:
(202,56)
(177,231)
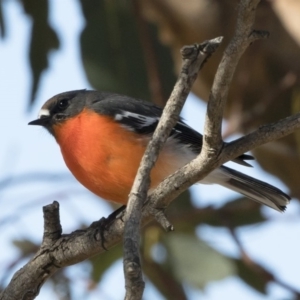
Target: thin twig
(26,283)
(52,226)
(262,135)
(193,59)
(82,244)
(244,36)
(197,169)
(240,119)
(261,271)
(211,154)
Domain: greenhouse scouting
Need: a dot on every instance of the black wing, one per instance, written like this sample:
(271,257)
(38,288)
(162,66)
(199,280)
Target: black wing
(142,117)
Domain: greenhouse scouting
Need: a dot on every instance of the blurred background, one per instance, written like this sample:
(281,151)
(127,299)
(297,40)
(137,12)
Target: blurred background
(224,247)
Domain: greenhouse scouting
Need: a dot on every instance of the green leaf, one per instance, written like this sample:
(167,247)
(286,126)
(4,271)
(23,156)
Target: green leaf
(182,206)
(196,263)
(296,109)
(43,40)
(103,262)
(112,55)
(26,247)
(2,23)
(251,277)
(181,203)
(239,212)
(163,280)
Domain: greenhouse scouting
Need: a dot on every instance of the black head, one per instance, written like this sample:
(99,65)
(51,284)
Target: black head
(60,108)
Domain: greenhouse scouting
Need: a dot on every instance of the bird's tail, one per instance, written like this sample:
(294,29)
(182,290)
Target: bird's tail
(254,189)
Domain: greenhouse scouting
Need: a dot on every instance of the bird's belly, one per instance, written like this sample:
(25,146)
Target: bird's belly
(105,161)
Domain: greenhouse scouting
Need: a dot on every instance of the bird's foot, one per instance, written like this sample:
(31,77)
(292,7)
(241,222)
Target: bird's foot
(104,223)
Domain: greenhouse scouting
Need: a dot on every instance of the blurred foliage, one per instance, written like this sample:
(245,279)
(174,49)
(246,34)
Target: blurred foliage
(132,47)
(2,23)
(43,40)
(112,53)
(194,262)
(25,247)
(102,262)
(266,82)
(250,276)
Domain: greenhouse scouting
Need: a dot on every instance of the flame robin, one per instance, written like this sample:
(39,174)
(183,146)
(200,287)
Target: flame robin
(102,137)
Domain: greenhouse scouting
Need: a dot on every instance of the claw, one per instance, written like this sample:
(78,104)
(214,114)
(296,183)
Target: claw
(104,223)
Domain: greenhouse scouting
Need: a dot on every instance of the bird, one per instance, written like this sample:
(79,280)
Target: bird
(103,136)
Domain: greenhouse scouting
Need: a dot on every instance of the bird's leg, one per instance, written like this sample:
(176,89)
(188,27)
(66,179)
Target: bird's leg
(104,223)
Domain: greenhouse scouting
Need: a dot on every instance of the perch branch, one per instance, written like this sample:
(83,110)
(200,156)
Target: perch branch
(59,251)
(193,59)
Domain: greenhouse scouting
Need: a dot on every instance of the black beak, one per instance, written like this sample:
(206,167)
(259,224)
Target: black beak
(43,121)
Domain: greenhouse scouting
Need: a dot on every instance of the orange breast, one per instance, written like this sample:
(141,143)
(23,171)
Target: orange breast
(104,156)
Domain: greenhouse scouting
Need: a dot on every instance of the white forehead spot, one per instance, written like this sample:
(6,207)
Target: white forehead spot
(44,112)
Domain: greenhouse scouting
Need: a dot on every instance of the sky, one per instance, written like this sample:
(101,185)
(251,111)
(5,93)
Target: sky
(31,150)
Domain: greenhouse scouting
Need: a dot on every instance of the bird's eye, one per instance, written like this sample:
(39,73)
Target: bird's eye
(62,104)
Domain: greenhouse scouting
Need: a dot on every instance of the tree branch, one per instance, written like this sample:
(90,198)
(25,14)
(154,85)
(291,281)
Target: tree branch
(211,155)
(243,37)
(262,135)
(26,283)
(194,58)
(58,250)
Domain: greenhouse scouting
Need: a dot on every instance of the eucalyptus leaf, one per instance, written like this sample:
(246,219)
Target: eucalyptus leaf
(100,264)
(112,54)
(26,246)
(239,212)
(250,277)
(2,23)
(195,262)
(42,41)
